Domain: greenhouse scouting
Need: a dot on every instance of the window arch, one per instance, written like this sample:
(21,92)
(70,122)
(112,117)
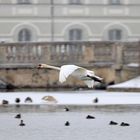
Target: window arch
(24,1)
(115,34)
(75,34)
(24,35)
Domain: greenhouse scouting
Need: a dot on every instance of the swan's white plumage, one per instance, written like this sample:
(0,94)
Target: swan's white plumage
(65,71)
(76,71)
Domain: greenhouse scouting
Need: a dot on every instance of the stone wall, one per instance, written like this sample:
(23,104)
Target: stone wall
(32,77)
(113,61)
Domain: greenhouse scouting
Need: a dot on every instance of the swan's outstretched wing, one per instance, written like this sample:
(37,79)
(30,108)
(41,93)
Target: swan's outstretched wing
(67,70)
(79,72)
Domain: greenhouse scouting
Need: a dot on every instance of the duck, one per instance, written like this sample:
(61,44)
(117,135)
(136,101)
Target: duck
(5,102)
(124,124)
(17,100)
(67,123)
(22,123)
(96,100)
(28,100)
(66,109)
(113,123)
(90,117)
(18,116)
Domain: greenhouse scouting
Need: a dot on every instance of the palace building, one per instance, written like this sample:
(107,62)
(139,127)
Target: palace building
(69,20)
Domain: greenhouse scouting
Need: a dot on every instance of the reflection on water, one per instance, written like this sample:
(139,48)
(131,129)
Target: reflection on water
(45,122)
(74,108)
(25,89)
(47,89)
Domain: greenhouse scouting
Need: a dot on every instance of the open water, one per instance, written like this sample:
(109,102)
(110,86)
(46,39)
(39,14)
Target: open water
(44,124)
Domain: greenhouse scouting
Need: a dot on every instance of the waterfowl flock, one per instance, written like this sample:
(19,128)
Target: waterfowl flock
(66,108)
(18,116)
(17,101)
(67,123)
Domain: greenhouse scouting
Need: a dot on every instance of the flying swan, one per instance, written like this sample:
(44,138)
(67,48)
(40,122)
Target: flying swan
(87,76)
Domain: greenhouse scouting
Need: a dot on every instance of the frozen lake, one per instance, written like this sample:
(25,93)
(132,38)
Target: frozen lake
(46,121)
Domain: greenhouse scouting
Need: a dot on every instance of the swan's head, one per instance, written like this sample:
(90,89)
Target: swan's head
(47,66)
(42,66)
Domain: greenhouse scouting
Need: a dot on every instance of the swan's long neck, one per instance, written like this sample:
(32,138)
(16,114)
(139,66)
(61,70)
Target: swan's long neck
(52,67)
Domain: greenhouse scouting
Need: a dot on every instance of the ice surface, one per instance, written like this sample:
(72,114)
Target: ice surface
(74,97)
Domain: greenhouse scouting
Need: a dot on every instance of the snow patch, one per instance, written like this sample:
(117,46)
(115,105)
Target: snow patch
(133,83)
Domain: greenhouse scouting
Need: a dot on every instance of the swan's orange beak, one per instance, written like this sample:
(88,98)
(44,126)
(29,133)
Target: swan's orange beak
(39,66)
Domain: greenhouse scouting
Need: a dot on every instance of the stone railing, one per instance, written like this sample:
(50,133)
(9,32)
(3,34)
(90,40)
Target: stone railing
(58,53)
(131,53)
(115,62)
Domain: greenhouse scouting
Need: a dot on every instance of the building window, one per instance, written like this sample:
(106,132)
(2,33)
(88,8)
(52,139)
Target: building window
(74,1)
(115,2)
(115,35)
(24,1)
(24,35)
(75,34)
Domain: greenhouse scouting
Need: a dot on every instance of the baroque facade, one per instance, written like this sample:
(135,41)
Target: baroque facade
(64,20)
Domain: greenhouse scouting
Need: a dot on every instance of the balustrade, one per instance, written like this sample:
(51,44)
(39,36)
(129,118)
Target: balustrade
(58,53)
(131,54)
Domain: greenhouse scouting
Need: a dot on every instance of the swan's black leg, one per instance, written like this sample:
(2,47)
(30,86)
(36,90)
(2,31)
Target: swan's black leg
(95,78)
